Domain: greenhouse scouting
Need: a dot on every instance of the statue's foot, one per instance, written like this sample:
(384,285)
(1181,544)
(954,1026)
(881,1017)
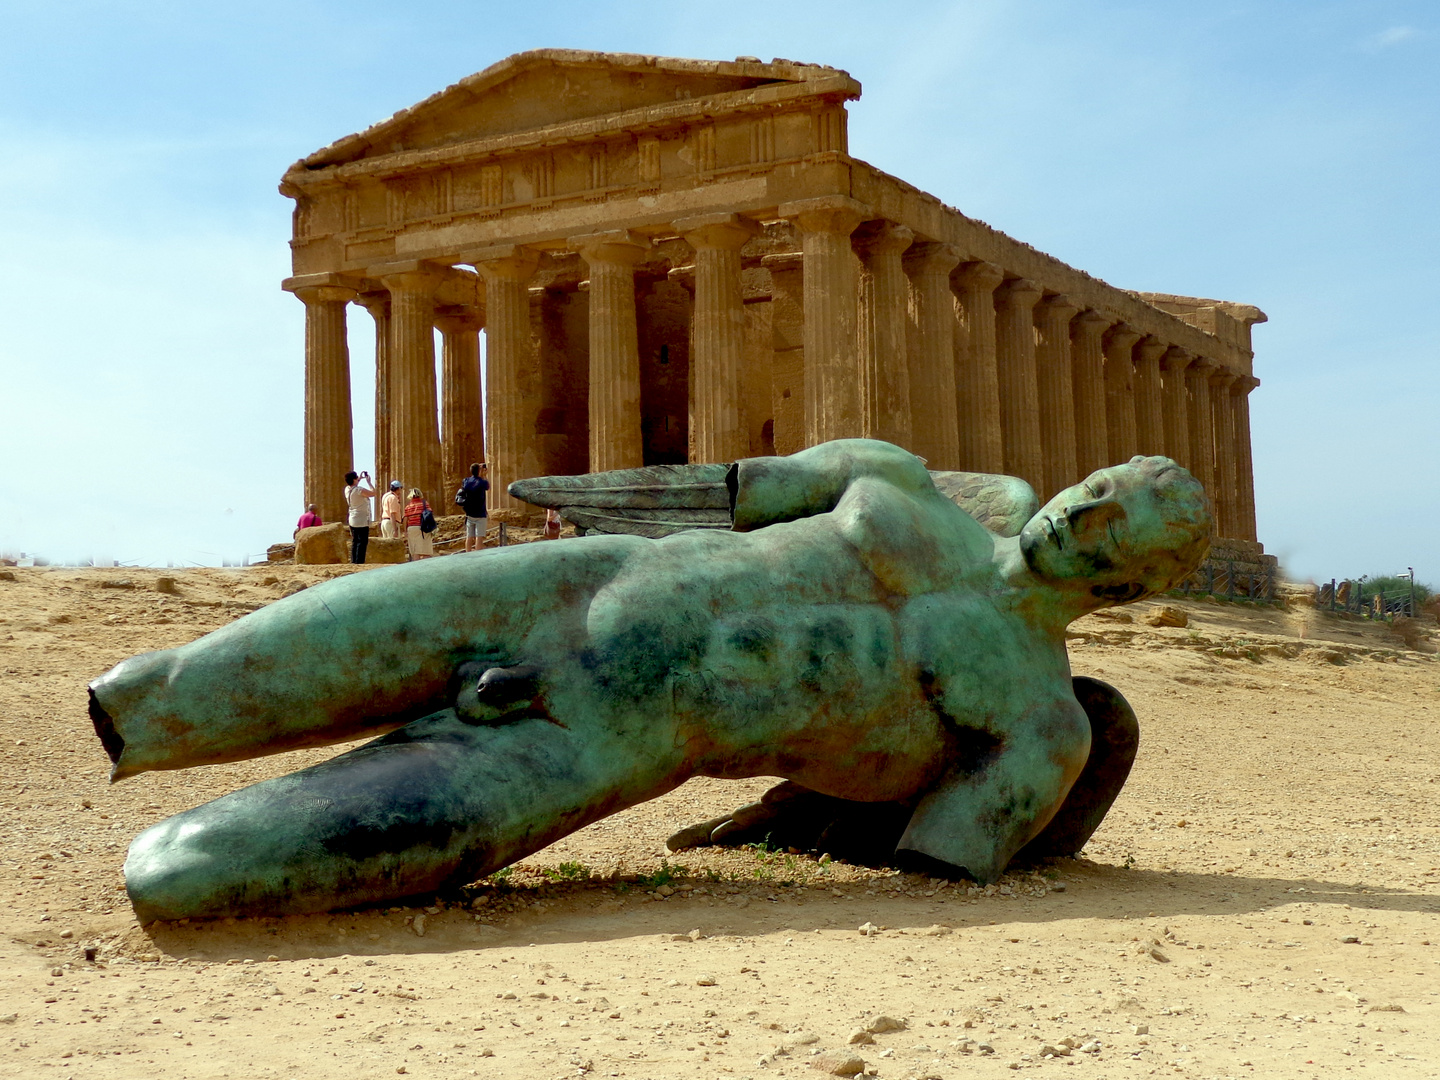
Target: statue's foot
(790,815)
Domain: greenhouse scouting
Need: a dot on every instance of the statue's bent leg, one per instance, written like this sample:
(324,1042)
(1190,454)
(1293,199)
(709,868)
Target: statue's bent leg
(1114,741)
(438,802)
(982,812)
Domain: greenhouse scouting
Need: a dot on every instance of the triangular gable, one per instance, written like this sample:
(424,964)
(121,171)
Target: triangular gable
(537,89)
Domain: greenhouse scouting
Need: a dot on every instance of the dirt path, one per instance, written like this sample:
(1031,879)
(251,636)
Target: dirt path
(1264,900)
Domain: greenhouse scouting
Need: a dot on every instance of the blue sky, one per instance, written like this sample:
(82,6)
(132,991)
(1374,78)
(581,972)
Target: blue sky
(1283,154)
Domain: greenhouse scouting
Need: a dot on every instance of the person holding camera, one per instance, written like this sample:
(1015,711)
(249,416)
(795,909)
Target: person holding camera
(472,497)
(357,499)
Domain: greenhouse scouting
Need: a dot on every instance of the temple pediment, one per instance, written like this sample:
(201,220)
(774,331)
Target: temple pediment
(544,88)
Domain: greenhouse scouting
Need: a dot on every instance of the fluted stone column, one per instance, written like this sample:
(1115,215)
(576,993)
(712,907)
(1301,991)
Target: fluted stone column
(1149,408)
(930,352)
(1223,439)
(1054,373)
(832,368)
(977,377)
(615,438)
(1087,367)
(511,440)
(1174,405)
(1244,459)
(717,352)
(328,437)
(378,304)
(1019,387)
(462,422)
(414,418)
(787,324)
(885,299)
(1198,417)
(1120,437)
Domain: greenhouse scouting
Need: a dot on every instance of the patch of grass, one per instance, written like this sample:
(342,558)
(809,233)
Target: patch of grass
(569,871)
(664,876)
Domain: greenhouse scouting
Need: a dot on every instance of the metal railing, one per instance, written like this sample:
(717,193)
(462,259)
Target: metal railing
(1354,597)
(1230,581)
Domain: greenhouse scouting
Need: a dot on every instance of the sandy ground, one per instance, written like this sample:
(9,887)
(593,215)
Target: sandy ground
(1262,901)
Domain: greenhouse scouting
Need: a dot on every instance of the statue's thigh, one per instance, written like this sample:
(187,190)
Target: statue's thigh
(433,803)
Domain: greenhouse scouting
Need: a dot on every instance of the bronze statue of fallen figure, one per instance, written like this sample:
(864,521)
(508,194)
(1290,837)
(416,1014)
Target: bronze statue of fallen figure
(853,630)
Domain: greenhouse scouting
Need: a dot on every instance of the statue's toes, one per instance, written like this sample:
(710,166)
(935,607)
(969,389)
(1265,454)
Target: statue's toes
(695,836)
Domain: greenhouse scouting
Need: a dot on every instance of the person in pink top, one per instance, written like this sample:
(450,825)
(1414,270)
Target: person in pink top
(309,519)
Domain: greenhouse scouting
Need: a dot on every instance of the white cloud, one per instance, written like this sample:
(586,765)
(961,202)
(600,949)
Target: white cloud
(1386,38)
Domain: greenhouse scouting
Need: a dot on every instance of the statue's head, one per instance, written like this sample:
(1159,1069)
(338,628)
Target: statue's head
(1124,533)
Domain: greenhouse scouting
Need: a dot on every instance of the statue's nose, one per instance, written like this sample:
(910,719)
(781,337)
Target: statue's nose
(1095,511)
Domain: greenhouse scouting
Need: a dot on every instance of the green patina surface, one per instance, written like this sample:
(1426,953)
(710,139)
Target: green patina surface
(857,633)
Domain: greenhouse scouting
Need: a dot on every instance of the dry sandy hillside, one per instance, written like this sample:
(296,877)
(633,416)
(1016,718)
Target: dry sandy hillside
(1262,900)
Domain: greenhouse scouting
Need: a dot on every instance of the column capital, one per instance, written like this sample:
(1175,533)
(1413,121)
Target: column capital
(1019,291)
(377,303)
(1244,384)
(929,257)
(310,281)
(452,320)
(1202,366)
(423,281)
(725,232)
(1058,306)
(505,262)
(1221,377)
(1091,321)
(1121,337)
(1176,359)
(979,275)
(615,246)
(884,238)
(832,213)
(319,294)
(1152,349)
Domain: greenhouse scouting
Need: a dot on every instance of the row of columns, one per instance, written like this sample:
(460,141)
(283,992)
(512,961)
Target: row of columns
(1001,375)
(904,341)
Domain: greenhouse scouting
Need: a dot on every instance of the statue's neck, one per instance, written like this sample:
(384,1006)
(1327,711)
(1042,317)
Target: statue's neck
(1046,604)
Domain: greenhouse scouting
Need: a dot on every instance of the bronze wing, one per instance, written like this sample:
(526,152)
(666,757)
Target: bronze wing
(658,500)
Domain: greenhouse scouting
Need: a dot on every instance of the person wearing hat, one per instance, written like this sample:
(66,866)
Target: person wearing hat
(417,541)
(391,512)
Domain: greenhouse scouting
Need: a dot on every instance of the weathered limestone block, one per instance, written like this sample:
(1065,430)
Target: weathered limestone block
(323,544)
(1167,615)
(380,550)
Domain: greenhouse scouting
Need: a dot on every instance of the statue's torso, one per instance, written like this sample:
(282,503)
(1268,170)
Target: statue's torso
(847,651)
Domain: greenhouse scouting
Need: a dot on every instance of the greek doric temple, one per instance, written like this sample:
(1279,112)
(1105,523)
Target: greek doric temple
(679,260)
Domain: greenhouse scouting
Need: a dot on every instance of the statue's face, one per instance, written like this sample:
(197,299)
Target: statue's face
(1095,531)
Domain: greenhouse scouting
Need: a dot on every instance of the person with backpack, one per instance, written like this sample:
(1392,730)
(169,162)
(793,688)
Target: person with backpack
(417,536)
(472,497)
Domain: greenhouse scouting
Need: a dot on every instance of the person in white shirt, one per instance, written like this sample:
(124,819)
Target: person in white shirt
(391,512)
(357,499)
